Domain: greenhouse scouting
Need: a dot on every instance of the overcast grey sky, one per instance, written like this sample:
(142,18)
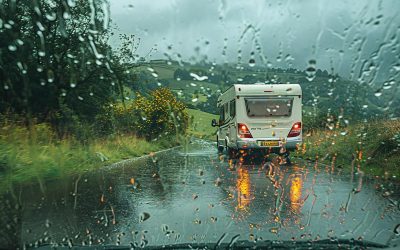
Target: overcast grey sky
(338,34)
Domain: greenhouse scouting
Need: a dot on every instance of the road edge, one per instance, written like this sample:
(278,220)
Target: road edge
(135,159)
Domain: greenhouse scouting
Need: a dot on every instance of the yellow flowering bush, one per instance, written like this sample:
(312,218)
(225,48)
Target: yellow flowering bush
(160,113)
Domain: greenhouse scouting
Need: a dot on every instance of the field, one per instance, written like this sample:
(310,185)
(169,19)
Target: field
(201,124)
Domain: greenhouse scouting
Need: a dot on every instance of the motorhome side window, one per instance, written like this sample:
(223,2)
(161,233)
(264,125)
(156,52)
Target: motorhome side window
(267,107)
(232,108)
(226,113)
(221,115)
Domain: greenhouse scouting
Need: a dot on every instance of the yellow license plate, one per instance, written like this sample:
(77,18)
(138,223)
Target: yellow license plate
(269,143)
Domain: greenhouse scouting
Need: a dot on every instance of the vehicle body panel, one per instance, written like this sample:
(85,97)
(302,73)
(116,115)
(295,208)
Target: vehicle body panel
(235,104)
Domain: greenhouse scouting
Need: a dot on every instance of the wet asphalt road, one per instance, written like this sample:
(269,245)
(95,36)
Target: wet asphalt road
(196,195)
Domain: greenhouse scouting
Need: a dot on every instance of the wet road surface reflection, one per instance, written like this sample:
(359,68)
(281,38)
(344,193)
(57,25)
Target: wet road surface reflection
(196,195)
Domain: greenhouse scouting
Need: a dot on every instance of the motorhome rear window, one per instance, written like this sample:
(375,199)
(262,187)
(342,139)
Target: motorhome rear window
(267,107)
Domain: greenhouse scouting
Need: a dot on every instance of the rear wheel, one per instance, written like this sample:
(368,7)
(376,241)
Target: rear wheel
(286,155)
(287,158)
(219,147)
(231,152)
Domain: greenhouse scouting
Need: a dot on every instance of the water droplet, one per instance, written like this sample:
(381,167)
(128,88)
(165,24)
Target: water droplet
(71,3)
(41,53)
(311,70)
(144,216)
(252,62)
(164,228)
(47,223)
(80,98)
(51,16)
(397,230)
(66,15)
(194,100)
(365,106)
(6,87)
(40,26)
(218,182)
(72,85)
(197,77)
(50,76)
(12,47)
(378,93)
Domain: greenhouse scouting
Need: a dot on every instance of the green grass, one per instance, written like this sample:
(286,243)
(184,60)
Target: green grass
(373,147)
(201,124)
(37,156)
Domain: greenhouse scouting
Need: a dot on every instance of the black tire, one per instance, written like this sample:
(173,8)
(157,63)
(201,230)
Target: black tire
(220,148)
(287,158)
(231,152)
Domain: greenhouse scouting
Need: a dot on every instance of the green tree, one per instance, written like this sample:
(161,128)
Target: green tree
(55,63)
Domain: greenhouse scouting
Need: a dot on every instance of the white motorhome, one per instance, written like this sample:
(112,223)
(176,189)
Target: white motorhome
(259,116)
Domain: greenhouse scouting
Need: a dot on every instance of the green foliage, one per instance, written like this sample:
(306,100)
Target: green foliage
(38,154)
(55,63)
(373,146)
(159,113)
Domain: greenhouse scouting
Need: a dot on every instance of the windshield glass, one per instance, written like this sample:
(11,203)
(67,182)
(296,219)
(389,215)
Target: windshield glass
(141,123)
(267,107)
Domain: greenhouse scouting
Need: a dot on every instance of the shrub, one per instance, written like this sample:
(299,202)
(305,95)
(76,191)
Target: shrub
(159,113)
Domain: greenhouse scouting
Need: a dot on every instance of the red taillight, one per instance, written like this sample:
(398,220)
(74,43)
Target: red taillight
(296,130)
(243,131)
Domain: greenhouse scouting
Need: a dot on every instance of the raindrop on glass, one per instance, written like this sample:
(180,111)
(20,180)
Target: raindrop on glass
(378,93)
(252,62)
(51,16)
(144,216)
(311,70)
(50,76)
(71,3)
(12,47)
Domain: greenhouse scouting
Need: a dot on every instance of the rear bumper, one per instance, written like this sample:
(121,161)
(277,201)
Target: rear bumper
(291,143)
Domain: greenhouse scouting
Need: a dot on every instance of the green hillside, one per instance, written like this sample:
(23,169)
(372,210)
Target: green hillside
(199,86)
(200,124)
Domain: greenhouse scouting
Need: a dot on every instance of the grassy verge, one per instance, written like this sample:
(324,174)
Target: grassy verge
(200,125)
(374,147)
(35,156)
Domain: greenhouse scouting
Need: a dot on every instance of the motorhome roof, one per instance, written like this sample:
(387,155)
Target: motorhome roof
(271,89)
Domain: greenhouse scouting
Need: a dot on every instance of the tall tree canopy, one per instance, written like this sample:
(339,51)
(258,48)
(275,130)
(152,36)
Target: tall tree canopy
(55,63)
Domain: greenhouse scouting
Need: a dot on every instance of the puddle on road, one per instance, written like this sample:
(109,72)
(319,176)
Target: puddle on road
(197,196)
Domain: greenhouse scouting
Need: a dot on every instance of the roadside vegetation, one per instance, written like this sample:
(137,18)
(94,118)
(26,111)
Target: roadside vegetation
(69,102)
(39,155)
(200,124)
(373,147)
